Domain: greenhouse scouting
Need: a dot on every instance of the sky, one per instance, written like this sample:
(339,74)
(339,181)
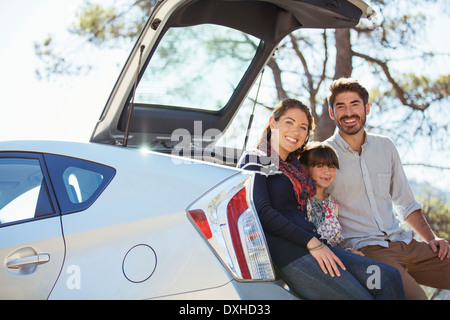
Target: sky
(67,109)
(60,109)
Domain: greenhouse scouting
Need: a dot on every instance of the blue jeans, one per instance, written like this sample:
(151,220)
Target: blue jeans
(363,279)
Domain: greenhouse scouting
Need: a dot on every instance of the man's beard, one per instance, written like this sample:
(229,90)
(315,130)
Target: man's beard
(359,125)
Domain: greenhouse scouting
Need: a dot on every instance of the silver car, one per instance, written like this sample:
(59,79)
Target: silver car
(152,207)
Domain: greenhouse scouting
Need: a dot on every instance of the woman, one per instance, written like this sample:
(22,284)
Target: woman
(281,190)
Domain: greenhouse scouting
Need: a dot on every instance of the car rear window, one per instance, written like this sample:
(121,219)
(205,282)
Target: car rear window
(196,67)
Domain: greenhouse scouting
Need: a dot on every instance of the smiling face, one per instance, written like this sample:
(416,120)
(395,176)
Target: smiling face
(289,132)
(321,162)
(349,112)
(323,175)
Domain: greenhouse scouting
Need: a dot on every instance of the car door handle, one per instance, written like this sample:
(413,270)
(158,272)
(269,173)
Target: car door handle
(36,259)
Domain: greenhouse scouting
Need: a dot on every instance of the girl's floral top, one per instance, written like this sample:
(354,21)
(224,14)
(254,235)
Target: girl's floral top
(323,213)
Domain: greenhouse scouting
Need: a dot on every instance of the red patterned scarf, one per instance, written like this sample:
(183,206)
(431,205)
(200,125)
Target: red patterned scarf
(304,185)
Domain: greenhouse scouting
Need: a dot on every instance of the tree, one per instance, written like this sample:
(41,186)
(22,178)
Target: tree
(96,25)
(312,59)
(370,46)
(437,213)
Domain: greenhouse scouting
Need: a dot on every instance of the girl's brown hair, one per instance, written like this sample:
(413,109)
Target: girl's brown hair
(317,153)
(279,111)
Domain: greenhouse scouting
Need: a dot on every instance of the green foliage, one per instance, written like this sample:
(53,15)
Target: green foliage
(99,23)
(421,90)
(55,61)
(436,212)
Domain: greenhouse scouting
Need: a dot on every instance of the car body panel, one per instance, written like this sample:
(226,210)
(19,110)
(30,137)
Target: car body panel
(122,221)
(29,239)
(106,260)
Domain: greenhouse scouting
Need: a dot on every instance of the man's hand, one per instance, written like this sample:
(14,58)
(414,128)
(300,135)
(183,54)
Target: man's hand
(417,222)
(441,245)
(356,252)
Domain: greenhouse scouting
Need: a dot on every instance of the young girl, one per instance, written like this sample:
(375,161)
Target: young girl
(320,161)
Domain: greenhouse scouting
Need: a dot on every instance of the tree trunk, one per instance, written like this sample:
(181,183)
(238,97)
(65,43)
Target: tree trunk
(344,54)
(343,68)
(324,125)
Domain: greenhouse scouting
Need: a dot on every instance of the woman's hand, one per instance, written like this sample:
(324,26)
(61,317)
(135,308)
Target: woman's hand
(327,260)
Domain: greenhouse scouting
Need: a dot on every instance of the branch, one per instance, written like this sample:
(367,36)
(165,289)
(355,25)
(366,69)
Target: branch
(276,71)
(312,91)
(304,63)
(427,165)
(325,60)
(270,108)
(400,93)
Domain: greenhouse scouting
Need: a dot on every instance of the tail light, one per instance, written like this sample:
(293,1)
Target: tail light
(199,217)
(226,218)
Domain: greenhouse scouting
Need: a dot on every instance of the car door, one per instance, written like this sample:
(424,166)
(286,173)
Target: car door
(31,240)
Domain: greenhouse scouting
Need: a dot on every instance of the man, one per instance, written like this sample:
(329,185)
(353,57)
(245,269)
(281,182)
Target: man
(370,186)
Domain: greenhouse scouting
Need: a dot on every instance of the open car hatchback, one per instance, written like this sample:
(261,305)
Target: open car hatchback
(195,64)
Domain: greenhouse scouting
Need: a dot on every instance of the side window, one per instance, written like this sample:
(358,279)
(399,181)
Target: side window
(77,182)
(23,190)
(81,184)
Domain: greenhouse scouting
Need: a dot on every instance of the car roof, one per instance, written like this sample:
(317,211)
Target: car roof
(82,150)
(119,158)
